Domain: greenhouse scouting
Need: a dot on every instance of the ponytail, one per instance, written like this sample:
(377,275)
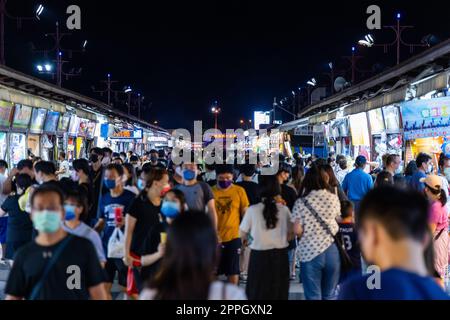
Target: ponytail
(270,213)
(443,198)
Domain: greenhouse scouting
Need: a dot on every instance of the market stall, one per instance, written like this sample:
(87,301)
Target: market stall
(36,130)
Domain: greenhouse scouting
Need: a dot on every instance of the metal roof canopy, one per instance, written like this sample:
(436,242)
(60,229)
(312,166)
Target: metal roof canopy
(411,67)
(25,83)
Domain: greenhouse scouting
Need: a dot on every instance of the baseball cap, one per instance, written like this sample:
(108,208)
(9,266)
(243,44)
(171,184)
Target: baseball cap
(360,160)
(432,181)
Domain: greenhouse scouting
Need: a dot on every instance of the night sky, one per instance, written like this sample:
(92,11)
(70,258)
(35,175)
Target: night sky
(183,55)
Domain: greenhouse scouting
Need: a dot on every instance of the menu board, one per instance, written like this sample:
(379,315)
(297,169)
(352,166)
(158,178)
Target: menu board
(5,113)
(63,123)
(376,121)
(82,130)
(359,129)
(91,129)
(22,116)
(74,125)
(38,120)
(51,123)
(392,118)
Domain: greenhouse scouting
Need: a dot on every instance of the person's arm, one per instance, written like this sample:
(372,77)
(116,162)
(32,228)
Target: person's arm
(295,219)
(245,227)
(130,223)
(212,212)
(98,292)
(345,185)
(150,259)
(7,184)
(2,212)
(433,227)
(244,203)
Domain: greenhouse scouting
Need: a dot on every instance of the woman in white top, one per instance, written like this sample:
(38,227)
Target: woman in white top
(266,228)
(317,211)
(189,263)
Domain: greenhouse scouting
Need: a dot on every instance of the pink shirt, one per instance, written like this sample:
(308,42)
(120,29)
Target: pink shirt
(438,216)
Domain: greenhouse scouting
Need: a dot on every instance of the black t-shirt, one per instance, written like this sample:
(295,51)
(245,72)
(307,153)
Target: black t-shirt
(150,246)
(289,195)
(78,256)
(147,216)
(350,241)
(97,187)
(20,227)
(253,191)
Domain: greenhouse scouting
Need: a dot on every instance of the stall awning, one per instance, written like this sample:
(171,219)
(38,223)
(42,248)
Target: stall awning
(435,83)
(86,115)
(294,124)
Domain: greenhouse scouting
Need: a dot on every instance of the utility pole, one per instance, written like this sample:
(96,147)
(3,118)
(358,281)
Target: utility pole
(3,15)
(108,89)
(353,60)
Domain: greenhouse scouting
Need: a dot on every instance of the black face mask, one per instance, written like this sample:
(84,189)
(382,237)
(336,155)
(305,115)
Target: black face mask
(93,158)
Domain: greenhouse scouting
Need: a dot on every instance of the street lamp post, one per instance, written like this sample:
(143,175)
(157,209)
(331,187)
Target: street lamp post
(108,89)
(128,91)
(215,110)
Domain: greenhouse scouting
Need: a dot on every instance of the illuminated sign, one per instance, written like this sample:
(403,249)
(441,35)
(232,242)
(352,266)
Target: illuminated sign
(261,118)
(127,134)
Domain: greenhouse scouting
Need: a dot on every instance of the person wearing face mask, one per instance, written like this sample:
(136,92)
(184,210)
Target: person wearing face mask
(96,174)
(112,209)
(231,203)
(393,163)
(394,235)
(198,194)
(80,175)
(172,206)
(107,156)
(142,216)
(19,226)
(40,269)
(153,158)
(209,176)
(424,167)
(75,207)
(64,167)
(130,178)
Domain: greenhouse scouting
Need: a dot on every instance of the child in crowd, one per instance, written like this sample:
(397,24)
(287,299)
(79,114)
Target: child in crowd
(349,235)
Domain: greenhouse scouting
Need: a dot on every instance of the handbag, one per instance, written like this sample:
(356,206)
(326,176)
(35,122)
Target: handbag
(346,262)
(116,244)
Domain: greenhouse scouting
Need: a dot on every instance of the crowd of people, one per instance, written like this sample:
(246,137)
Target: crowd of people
(199,231)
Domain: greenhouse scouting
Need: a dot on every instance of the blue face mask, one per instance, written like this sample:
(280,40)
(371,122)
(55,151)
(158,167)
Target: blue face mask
(70,212)
(189,175)
(110,184)
(170,209)
(141,184)
(225,184)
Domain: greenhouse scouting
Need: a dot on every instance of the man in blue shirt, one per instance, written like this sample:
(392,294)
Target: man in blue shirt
(393,233)
(424,166)
(357,183)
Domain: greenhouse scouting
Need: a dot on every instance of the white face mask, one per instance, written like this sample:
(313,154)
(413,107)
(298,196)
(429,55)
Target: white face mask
(430,169)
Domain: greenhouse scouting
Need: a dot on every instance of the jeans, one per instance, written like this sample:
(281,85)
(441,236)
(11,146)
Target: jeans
(320,276)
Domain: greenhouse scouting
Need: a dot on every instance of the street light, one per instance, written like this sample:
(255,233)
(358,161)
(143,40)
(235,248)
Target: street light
(128,91)
(39,11)
(215,111)
(39,68)
(48,67)
(85,44)
(312,82)
(45,68)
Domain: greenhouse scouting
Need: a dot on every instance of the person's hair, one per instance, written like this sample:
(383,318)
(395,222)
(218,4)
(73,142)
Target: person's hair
(181,197)
(411,168)
(153,151)
(46,167)
(107,150)
(391,159)
(321,162)
(129,167)
(46,189)
(3,164)
(313,181)
(154,174)
(98,151)
(123,154)
(116,167)
(224,168)
(438,192)
(79,196)
(422,158)
(442,158)
(333,182)
(115,155)
(384,160)
(24,181)
(343,164)
(161,154)
(339,157)
(346,209)
(134,159)
(384,178)
(298,174)
(269,190)
(190,259)
(62,154)
(81,165)
(25,164)
(404,214)
(247,170)
(330,160)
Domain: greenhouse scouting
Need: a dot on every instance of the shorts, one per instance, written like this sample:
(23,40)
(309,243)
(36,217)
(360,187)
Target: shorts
(3,228)
(114,265)
(229,258)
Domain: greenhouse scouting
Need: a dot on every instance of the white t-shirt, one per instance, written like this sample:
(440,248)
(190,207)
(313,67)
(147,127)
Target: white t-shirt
(217,291)
(2,196)
(263,238)
(315,239)
(64,165)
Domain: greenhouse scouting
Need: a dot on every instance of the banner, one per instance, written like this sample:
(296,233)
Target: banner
(426,118)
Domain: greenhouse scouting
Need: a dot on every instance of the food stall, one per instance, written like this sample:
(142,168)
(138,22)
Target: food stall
(360,135)
(72,136)
(61,133)
(19,127)
(81,140)
(38,117)
(6,109)
(48,138)
(426,125)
